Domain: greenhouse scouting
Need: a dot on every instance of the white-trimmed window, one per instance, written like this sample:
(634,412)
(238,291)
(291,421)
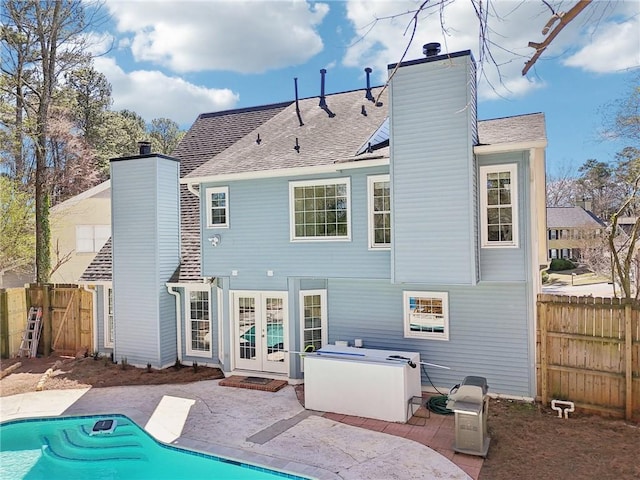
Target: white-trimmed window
(217,207)
(108,317)
(379,194)
(499,200)
(91,238)
(313,318)
(426,315)
(198,321)
(319,209)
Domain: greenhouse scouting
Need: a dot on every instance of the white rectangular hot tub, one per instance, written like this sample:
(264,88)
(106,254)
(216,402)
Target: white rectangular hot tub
(362,382)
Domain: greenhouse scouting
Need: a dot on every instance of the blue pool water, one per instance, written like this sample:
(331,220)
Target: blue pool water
(63,448)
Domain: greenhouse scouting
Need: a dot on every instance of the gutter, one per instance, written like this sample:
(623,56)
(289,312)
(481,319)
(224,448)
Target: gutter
(508,147)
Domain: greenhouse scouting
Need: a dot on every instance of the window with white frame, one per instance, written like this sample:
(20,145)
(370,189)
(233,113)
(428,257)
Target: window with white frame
(198,323)
(313,317)
(499,200)
(91,238)
(319,209)
(217,207)
(426,315)
(108,317)
(379,195)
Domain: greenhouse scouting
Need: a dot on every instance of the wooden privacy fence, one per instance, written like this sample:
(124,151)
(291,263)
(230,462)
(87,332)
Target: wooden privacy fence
(588,352)
(13,318)
(67,318)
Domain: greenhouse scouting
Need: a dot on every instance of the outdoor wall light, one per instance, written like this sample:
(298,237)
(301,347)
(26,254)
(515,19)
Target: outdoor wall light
(215,240)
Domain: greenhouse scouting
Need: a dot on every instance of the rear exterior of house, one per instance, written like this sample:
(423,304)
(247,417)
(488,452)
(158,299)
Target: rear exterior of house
(408,225)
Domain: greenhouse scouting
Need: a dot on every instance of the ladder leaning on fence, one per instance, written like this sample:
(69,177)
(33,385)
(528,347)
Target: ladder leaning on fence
(31,336)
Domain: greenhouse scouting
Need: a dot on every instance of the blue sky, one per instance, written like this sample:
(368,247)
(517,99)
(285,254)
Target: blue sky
(179,59)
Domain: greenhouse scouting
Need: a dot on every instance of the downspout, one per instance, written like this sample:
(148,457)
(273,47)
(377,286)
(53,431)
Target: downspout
(94,293)
(178,319)
(192,189)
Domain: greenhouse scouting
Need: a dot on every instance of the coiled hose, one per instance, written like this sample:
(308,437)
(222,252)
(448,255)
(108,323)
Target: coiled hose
(438,404)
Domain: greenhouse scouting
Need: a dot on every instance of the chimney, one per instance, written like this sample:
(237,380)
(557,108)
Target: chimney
(431,49)
(144,147)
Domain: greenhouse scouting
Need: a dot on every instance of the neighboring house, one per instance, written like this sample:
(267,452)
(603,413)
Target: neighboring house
(409,225)
(570,229)
(80,226)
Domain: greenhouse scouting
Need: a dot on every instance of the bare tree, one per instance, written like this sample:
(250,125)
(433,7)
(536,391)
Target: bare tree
(43,39)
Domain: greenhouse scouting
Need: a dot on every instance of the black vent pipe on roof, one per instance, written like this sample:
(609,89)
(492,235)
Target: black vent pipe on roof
(323,102)
(295,83)
(431,49)
(368,95)
(144,147)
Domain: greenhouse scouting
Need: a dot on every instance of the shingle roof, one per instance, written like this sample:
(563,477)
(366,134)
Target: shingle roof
(323,140)
(210,134)
(572,217)
(516,129)
(99,270)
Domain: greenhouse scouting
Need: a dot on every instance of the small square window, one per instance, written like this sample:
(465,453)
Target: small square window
(426,315)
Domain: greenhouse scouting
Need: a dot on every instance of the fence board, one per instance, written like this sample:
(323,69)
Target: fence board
(589,352)
(67,318)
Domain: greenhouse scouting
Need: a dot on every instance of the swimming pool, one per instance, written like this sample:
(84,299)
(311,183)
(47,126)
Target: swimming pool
(68,448)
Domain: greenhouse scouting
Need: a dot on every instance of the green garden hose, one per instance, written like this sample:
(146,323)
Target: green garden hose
(438,404)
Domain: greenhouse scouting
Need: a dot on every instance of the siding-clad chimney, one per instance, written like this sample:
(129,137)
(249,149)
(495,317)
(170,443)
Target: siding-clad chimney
(433,131)
(145,219)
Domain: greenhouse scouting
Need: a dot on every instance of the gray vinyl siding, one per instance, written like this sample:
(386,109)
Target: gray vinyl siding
(258,238)
(510,264)
(433,127)
(489,334)
(145,221)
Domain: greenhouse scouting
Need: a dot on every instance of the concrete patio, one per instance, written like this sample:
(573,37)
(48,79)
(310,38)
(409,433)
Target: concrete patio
(271,429)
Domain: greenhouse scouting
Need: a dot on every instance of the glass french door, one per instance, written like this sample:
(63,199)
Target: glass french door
(260,331)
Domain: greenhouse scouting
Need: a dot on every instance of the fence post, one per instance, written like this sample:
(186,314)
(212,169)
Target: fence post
(4,324)
(628,357)
(544,376)
(47,327)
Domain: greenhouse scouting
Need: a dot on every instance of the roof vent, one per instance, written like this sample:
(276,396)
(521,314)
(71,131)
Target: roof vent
(144,147)
(295,85)
(431,49)
(368,95)
(323,102)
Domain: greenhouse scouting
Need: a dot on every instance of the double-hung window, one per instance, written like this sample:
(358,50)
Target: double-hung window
(217,207)
(499,202)
(108,317)
(198,326)
(319,209)
(379,212)
(426,315)
(313,315)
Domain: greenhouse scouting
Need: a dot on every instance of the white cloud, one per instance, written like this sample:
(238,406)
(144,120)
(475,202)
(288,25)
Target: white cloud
(239,36)
(153,94)
(609,48)
(512,26)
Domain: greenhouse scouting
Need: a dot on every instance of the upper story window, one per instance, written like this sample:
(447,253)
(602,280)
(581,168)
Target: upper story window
(499,203)
(426,315)
(379,194)
(217,207)
(319,209)
(91,238)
